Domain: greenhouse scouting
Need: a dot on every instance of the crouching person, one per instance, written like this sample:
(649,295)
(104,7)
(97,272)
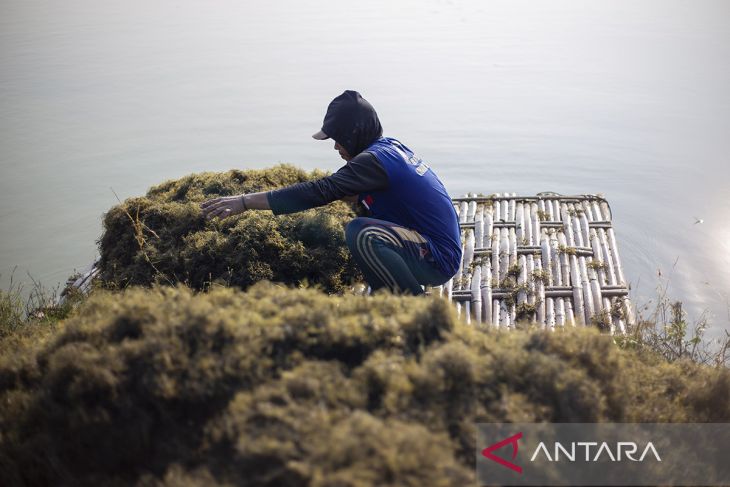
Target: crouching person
(411,235)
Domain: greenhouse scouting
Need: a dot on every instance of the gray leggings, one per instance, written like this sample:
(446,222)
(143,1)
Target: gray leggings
(392,256)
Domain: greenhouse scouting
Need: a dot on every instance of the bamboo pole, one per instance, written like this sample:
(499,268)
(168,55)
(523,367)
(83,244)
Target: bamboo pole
(607,258)
(476,294)
(463,211)
(546,257)
(606,210)
(512,247)
(575,278)
(487,290)
(577,233)
(540,294)
(564,261)
(541,208)
(587,210)
(567,224)
(596,209)
(461,273)
(588,307)
(522,281)
(616,260)
(555,267)
(535,224)
(606,255)
(495,313)
(629,311)
(569,315)
(598,256)
(82,283)
(543,195)
(531,281)
(457,279)
(585,229)
(550,313)
(560,312)
(520,221)
(496,271)
(578,303)
(613,319)
(595,291)
(468,250)
(488,226)
(513,315)
(472,208)
(628,314)
(549,210)
(503,253)
(503,315)
(479,227)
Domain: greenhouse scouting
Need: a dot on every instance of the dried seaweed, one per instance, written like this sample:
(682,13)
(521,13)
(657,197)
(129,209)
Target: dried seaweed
(291,387)
(163,237)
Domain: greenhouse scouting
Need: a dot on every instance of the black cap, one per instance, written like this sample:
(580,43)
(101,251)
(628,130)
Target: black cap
(352,122)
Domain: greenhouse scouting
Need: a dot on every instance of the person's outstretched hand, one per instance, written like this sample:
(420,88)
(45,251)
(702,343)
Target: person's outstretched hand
(223,207)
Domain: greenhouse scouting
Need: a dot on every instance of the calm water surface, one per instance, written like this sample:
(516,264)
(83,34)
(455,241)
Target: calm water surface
(625,98)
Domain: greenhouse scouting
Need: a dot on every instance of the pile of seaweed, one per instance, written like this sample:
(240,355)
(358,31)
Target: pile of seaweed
(292,387)
(164,238)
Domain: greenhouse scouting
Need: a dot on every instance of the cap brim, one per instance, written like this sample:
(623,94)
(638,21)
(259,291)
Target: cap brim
(320,136)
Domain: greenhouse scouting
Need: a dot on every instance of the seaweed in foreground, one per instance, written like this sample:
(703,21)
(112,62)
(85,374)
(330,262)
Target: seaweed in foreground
(163,237)
(287,387)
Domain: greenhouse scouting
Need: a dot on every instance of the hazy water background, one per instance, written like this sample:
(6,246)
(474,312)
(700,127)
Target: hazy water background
(626,98)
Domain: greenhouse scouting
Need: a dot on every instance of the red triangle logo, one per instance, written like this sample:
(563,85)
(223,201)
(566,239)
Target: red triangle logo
(512,440)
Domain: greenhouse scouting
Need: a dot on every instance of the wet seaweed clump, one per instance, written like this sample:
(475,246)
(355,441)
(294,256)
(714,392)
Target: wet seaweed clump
(291,387)
(163,237)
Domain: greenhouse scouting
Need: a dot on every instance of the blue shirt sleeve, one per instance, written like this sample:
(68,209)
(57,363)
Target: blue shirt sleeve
(361,174)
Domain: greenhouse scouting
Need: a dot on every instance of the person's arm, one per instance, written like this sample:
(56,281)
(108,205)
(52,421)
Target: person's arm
(361,174)
(226,206)
(257,201)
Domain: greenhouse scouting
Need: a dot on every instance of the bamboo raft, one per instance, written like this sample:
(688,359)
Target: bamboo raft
(547,259)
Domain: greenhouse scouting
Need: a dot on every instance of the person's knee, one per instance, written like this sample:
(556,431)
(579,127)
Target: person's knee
(363,232)
(352,230)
